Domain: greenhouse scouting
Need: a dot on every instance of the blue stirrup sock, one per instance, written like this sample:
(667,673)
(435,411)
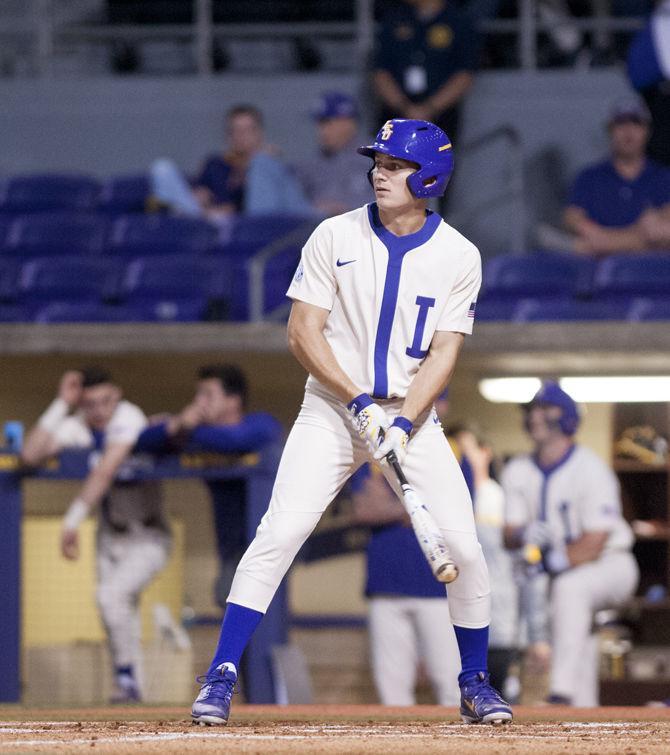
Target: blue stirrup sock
(473,645)
(239,623)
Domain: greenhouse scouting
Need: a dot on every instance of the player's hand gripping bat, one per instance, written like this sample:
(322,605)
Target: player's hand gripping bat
(426,530)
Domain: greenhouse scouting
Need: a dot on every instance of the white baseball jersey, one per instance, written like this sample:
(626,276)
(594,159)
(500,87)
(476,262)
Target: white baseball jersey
(579,494)
(387,294)
(128,506)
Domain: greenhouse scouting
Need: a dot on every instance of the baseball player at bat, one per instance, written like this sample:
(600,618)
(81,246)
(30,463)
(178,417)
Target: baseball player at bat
(382,300)
(133,536)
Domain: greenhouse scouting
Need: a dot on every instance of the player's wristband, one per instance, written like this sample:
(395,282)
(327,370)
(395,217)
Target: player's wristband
(556,561)
(54,415)
(75,515)
(359,403)
(404,424)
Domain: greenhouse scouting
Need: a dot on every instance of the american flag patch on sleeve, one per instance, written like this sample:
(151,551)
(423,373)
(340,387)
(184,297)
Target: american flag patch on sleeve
(471,311)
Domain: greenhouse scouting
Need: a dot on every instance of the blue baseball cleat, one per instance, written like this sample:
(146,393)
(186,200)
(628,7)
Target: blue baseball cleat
(481,703)
(212,705)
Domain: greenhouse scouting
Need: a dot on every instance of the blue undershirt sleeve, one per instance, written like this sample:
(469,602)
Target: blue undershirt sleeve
(250,434)
(153,439)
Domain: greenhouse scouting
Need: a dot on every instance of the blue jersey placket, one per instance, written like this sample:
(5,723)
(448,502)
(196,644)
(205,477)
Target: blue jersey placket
(397,247)
(546,474)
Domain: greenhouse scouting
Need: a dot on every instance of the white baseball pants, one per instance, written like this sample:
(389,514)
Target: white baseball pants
(321,453)
(575,596)
(126,564)
(404,631)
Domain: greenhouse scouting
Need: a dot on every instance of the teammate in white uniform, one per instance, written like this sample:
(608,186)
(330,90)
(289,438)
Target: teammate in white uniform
(382,300)
(133,537)
(565,501)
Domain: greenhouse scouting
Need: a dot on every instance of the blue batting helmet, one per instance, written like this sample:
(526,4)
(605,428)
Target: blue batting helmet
(553,395)
(422,143)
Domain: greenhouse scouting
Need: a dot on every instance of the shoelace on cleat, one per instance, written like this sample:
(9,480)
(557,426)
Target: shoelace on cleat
(215,681)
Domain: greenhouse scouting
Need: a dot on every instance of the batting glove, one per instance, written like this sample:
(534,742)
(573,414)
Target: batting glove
(538,533)
(396,439)
(557,561)
(369,419)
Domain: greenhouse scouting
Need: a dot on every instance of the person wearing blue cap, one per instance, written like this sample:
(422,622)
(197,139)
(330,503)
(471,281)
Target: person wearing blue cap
(331,179)
(563,509)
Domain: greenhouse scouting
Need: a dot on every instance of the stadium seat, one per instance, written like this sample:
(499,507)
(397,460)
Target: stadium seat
(124,194)
(72,279)
(177,287)
(14,313)
(65,311)
(633,275)
(495,309)
(141,235)
(42,193)
(517,276)
(255,231)
(9,271)
(541,310)
(650,309)
(53,234)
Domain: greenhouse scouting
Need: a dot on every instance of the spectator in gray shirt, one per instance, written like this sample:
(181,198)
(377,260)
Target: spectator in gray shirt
(332,179)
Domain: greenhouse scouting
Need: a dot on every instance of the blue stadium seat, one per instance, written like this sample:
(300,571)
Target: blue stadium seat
(124,194)
(42,193)
(141,235)
(177,287)
(65,311)
(633,275)
(514,276)
(72,279)
(9,273)
(542,310)
(14,313)
(495,309)
(47,234)
(255,231)
(648,309)
(276,280)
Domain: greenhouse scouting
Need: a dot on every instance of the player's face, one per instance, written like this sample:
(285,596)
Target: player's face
(389,180)
(245,134)
(99,402)
(542,423)
(628,139)
(217,406)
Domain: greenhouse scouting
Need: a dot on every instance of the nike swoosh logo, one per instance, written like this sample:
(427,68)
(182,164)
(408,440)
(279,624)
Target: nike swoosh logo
(346,262)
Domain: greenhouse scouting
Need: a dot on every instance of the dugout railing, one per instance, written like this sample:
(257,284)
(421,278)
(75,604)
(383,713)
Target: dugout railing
(258,470)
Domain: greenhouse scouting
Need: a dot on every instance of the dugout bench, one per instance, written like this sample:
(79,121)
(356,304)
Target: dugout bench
(257,469)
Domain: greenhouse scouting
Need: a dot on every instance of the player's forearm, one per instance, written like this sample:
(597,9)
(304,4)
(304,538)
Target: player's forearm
(311,349)
(40,442)
(95,487)
(587,548)
(433,375)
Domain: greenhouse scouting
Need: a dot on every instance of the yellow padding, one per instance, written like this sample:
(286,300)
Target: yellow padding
(58,596)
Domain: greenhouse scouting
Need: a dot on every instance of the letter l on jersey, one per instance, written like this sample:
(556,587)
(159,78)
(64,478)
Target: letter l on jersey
(415,350)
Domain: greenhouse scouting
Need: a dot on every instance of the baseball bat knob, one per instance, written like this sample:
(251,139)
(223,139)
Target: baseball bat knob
(447,573)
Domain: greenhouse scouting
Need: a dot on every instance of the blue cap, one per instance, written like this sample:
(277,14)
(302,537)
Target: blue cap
(629,109)
(335,105)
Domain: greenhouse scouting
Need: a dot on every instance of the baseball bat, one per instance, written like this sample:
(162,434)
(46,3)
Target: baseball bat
(427,532)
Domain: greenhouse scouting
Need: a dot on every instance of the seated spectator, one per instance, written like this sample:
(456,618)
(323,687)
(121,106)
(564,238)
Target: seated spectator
(246,177)
(332,178)
(621,205)
(217,420)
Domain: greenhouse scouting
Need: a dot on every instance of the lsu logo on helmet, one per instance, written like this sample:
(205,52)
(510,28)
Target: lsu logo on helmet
(387,130)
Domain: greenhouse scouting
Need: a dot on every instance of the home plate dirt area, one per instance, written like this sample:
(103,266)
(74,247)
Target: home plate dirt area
(334,729)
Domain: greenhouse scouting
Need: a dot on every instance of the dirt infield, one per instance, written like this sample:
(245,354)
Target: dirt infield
(335,729)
